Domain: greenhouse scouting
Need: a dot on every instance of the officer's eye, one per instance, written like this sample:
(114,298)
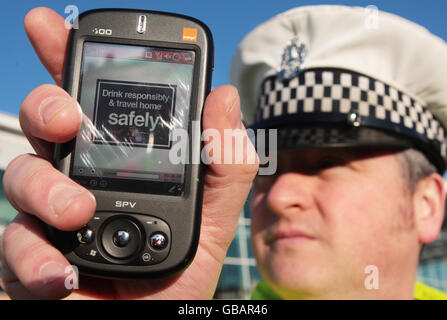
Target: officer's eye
(330,162)
(264,182)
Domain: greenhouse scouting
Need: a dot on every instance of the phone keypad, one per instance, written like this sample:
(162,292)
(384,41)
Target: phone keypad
(124,238)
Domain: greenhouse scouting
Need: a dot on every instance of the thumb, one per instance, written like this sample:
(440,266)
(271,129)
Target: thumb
(227,183)
(231,155)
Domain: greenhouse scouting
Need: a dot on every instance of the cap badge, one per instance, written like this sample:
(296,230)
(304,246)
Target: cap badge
(292,59)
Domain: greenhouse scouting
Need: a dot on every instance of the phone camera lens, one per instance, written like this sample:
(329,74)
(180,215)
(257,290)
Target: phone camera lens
(141,24)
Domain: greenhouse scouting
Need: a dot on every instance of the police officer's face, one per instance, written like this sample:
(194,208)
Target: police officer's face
(327,214)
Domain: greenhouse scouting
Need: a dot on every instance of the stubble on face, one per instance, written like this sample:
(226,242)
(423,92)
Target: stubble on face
(302,267)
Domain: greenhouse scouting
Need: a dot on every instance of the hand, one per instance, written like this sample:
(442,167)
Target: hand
(32,267)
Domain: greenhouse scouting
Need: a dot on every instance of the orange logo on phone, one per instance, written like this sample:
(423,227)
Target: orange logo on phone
(190,34)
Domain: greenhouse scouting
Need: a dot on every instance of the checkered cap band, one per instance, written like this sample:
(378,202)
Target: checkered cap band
(312,135)
(342,136)
(341,96)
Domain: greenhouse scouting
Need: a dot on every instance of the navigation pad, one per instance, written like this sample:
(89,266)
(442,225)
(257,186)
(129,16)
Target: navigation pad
(125,238)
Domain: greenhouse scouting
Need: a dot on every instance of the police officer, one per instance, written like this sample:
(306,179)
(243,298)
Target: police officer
(359,99)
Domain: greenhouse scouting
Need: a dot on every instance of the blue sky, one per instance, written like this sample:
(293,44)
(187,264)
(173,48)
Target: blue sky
(228,20)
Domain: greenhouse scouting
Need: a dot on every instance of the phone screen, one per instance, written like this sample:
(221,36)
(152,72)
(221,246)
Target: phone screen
(132,97)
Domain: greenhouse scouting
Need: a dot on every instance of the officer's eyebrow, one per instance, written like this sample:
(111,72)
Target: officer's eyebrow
(373,151)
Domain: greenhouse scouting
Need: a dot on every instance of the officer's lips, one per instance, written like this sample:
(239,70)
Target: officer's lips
(284,235)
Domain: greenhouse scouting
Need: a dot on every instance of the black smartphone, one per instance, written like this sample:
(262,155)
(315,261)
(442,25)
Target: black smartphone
(141,77)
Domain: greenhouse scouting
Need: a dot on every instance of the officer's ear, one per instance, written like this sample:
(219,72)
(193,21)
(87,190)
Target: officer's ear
(428,203)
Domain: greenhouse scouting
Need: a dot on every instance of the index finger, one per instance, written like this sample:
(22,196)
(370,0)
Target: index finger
(46,30)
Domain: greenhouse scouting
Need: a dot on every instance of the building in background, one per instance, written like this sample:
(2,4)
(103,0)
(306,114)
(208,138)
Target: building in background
(239,273)
(433,261)
(12,144)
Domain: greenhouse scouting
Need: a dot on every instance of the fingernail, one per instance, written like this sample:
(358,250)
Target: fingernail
(60,197)
(51,106)
(51,271)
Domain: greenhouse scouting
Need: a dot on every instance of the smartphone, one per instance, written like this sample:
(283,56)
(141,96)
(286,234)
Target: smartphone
(140,77)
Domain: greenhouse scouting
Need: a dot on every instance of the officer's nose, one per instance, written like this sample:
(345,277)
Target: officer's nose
(291,193)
